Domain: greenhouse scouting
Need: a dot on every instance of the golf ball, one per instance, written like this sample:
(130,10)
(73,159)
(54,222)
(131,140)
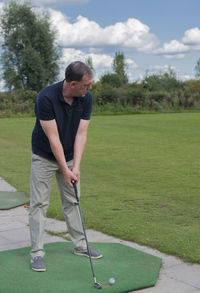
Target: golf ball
(111,281)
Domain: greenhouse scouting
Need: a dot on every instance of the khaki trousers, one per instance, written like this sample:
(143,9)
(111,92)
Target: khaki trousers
(42,171)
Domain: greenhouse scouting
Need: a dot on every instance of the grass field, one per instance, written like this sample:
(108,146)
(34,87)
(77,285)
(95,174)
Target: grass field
(140,177)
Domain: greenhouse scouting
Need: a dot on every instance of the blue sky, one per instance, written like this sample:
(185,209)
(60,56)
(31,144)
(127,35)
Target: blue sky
(154,35)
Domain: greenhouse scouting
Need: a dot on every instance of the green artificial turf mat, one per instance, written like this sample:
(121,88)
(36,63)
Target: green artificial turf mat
(66,272)
(12,199)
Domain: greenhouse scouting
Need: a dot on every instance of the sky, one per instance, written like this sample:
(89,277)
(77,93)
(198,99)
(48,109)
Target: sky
(154,35)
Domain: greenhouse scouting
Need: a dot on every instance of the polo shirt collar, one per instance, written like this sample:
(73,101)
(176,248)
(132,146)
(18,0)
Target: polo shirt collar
(61,97)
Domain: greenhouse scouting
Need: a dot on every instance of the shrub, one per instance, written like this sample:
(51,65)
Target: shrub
(24,95)
(112,79)
(135,97)
(17,102)
(107,94)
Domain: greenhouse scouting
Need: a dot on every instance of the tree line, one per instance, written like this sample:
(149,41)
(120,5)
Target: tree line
(29,62)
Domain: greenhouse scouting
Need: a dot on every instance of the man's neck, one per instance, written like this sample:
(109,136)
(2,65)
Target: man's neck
(68,100)
(66,93)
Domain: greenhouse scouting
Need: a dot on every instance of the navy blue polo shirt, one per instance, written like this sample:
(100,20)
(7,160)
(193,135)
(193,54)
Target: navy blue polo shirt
(50,105)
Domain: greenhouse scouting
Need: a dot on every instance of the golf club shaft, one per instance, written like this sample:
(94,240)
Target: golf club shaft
(79,207)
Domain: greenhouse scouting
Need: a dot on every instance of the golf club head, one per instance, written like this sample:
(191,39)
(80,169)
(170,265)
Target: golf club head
(97,285)
(111,282)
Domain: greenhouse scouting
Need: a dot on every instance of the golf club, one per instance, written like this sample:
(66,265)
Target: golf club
(96,284)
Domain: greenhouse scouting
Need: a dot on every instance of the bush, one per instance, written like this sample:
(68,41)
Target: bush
(192,86)
(107,94)
(112,79)
(23,95)
(135,97)
(17,102)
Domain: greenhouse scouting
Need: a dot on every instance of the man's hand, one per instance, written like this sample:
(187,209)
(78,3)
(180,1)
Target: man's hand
(70,177)
(76,172)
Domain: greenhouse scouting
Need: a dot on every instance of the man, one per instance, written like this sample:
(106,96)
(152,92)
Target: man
(58,141)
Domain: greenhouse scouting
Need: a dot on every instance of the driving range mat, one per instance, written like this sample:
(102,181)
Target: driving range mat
(66,272)
(12,199)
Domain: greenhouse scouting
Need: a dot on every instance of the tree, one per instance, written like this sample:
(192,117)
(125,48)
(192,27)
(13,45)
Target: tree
(197,69)
(111,78)
(29,53)
(119,67)
(89,63)
(192,86)
(162,81)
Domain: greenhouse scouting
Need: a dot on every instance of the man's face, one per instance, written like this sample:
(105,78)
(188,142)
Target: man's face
(81,87)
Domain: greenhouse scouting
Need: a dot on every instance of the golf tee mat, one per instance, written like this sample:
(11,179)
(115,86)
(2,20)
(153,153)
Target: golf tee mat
(66,272)
(12,199)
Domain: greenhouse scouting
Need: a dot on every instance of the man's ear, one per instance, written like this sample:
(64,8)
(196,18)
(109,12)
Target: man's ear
(72,84)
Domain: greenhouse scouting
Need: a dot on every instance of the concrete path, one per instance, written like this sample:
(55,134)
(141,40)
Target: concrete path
(175,275)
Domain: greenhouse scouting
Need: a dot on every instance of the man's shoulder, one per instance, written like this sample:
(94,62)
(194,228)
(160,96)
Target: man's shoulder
(51,91)
(87,98)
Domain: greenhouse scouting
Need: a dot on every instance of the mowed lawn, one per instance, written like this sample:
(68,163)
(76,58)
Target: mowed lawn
(140,177)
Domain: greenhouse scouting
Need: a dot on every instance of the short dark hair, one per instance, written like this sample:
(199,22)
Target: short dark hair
(76,70)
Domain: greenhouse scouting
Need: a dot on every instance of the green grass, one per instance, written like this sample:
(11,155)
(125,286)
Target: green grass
(140,177)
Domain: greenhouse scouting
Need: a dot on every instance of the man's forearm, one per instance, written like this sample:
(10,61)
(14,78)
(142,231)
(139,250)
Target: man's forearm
(58,152)
(79,147)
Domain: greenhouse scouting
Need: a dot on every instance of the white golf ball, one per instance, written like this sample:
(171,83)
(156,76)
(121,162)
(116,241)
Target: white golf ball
(111,281)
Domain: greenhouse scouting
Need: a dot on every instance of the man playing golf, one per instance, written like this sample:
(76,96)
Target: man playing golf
(58,141)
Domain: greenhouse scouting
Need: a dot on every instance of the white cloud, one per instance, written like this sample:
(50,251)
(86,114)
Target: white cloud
(172,48)
(160,68)
(131,63)
(102,61)
(192,38)
(175,56)
(182,76)
(99,60)
(178,49)
(83,32)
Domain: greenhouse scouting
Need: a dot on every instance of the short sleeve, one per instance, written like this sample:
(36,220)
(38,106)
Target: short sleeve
(44,108)
(87,110)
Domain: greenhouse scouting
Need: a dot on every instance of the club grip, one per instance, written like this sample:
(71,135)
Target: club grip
(75,190)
